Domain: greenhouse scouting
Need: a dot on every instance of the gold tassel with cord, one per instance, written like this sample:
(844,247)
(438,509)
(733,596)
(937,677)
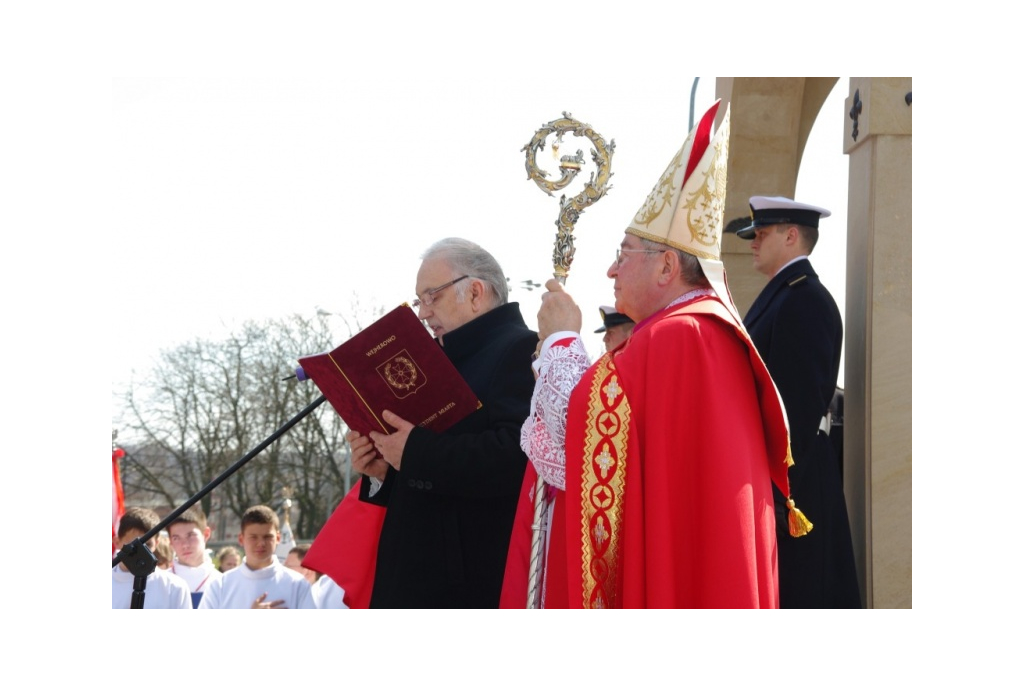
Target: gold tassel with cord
(798,523)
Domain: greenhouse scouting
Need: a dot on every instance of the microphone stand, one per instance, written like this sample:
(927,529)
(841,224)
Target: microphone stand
(141,561)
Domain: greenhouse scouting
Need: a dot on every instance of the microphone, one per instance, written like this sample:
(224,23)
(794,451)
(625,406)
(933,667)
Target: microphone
(299,375)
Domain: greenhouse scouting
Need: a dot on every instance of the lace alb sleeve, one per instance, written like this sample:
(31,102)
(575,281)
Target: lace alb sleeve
(561,366)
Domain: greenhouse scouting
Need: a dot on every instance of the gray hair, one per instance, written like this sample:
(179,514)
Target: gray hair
(470,259)
(689,265)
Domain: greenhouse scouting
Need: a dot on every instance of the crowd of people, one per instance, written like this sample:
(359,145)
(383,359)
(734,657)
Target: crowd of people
(688,466)
(192,579)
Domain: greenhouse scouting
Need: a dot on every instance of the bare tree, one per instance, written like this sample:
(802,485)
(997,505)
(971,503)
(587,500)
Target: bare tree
(207,403)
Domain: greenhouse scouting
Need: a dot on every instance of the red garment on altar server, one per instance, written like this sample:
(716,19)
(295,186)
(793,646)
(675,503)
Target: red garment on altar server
(702,425)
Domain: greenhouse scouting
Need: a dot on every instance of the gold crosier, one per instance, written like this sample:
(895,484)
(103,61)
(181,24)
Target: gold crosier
(569,213)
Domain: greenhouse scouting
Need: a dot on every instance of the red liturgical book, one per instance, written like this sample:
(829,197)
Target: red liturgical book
(393,364)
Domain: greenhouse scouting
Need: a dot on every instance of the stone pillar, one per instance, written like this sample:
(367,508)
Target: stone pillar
(878,464)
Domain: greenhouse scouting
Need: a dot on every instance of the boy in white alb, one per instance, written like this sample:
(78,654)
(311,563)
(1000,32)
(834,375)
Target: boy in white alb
(261,582)
(163,589)
(189,534)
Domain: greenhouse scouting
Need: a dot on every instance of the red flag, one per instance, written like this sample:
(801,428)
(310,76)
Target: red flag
(346,548)
(118,496)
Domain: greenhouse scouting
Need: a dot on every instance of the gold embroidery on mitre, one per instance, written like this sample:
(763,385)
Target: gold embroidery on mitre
(696,206)
(663,193)
(603,483)
(705,207)
(673,243)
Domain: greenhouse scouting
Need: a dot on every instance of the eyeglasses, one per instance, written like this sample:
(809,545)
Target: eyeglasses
(429,297)
(618,254)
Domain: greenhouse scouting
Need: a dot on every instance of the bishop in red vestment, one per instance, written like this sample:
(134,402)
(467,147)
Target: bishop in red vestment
(663,460)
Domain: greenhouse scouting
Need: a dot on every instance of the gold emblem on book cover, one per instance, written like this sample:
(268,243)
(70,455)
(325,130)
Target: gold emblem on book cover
(402,374)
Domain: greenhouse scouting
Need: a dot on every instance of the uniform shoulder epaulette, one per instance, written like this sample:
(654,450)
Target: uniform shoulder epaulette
(796,280)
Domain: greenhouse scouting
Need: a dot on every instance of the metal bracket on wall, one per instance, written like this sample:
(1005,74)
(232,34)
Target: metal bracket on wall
(855,111)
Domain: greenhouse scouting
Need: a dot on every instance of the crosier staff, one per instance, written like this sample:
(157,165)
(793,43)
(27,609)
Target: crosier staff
(569,214)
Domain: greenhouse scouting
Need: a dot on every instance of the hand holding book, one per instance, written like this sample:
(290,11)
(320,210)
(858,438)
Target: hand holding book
(366,460)
(390,447)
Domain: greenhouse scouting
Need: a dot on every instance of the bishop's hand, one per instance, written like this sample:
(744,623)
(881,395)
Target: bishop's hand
(558,311)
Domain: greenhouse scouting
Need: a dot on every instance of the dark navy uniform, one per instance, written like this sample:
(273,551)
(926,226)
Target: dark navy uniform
(796,327)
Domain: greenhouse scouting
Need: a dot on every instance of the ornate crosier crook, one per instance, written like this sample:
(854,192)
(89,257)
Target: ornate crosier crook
(593,190)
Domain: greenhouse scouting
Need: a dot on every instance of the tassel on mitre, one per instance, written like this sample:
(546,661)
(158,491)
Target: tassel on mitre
(798,523)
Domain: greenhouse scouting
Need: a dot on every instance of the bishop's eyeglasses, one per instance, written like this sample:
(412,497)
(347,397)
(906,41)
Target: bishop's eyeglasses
(618,254)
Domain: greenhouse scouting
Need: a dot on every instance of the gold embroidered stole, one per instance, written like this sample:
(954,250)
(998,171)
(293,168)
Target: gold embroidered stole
(603,484)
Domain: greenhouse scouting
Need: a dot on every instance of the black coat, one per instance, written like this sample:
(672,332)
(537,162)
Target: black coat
(796,327)
(445,536)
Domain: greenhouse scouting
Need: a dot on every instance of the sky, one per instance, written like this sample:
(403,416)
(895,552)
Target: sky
(256,198)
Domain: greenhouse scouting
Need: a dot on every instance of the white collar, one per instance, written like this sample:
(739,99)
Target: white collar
(691,295)
(260,573)
(792,261)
